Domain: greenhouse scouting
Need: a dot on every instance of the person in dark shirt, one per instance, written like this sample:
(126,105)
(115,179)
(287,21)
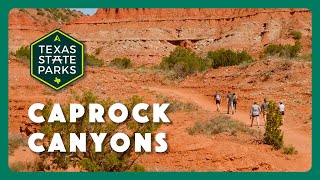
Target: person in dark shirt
(235,99)
(230,102)
(264,108)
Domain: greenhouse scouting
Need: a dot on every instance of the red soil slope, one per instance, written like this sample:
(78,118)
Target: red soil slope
(223,152)
(28,25)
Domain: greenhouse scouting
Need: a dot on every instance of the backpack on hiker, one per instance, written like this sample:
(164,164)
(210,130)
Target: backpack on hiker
(264,106)
(235,98)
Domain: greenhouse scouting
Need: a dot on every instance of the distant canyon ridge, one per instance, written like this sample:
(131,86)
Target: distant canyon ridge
(147,35)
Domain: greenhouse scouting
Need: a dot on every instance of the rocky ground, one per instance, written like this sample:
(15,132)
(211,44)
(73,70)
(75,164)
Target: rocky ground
(222,152)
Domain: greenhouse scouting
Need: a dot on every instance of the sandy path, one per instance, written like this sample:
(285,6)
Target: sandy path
(300,140)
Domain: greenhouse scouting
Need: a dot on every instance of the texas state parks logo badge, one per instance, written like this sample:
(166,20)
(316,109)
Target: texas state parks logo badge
(57,59)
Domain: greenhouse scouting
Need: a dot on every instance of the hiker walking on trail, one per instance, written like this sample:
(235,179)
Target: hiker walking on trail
(254,113)
(264,108)
(230,102)
(235,99)
(218,100)
(281,107)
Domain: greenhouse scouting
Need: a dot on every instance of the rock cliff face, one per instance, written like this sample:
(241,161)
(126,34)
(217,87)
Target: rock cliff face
(28,25)
(23,29)
(146,35)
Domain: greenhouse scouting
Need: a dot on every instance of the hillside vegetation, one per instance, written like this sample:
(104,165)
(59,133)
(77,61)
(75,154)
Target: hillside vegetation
(47,15)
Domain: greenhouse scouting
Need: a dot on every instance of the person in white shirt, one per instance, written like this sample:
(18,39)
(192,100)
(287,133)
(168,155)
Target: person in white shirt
(281,107)
(218,100)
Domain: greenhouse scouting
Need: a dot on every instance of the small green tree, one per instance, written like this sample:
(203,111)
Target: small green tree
(297,35)
(183,61)
(273,135)
(97,51)
(295,50)
(107,160)
(94,61)
(287,50)
(227,57)
(121,63)
(23,53)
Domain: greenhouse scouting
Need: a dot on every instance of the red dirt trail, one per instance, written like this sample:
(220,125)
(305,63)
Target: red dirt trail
(220,152)
(300,140)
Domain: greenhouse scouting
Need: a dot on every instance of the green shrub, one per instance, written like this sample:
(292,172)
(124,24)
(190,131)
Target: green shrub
(97,51)
(23,54)
(292,51)
(92,60)
(59,14)
(218,125)
(15,141)
(27,166)
(40,13)
(21,167)
(289,150)
(121,63)
(23,10)
(227,57)
(107,160)
(137,168)
(296,35)
(273,134)
(183,62)
(280,50)
(273,49)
